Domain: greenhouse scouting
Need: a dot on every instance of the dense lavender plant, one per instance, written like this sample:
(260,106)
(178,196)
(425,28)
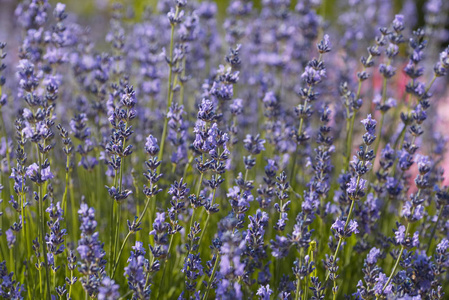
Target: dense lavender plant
(261,124)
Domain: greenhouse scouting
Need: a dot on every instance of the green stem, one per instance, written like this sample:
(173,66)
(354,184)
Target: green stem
(66,189)
(183,74)
(298,282)
(117,260)
(349,142)
(120,253)
(208,218)
(344,228)
(214,270)
(376,146)
(434,229)
(396,264)
(42,227)
(117,229)
(169,88)
(165,266)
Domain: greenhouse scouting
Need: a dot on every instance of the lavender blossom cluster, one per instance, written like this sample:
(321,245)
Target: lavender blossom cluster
(264,152)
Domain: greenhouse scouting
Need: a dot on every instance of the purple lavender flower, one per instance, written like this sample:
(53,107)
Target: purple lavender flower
(264,292)
(279,247)
(159,233)
(135,273)
(381,280)
(345,231)
(254,145)
(415,239)
(443,245)
(400,234)
(411,212)
(373,255)
(32,170)
(370,124)
(312,76)
(90,249)
(10,238)
(353,187)
(151,145)
(353,226)
(46,174)
(325,44)
(9,287)
(338,225)
(423,163)
(398,23)
(108,290)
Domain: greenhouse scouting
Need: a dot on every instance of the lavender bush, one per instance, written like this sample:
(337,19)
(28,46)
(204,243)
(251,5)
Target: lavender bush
(269,154)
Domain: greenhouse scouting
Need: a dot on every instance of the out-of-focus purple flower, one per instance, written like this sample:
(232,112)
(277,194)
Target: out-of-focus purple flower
(353,187)
(398,23)
(236,106)
(370,124)
(90,249)
(264,292)
(412,213)
(352,226)
(10,238)
(423,163)
(151,145)
(46,174)
(108,290)
(159,224)
(372,256)
(9,288)
(135,273)
(254,144)
(415,239)
(312,76)
(325,44)
(443,245)
(381,280)
(338,225)
(400,234)
(279,247)
(32,170)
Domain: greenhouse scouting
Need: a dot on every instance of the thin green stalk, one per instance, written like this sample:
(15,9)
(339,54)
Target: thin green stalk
(214,270)
(334,292)
(344,228)
(349,142)
(434,229)
(66,189)
(298,283)
(42,227)
(117,260)
(208,218)
(11,259)
(246,174)
(117,229)
(396,264)
(111,232)
(183,75)
(40,281)
(401,137)
(71,280)
(376,146)
(165,266)
(169,87)
(74,210)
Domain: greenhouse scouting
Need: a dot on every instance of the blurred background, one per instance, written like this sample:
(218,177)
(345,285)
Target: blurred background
(96,8)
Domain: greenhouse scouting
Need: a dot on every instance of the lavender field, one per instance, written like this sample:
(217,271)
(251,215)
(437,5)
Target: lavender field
(262,151)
